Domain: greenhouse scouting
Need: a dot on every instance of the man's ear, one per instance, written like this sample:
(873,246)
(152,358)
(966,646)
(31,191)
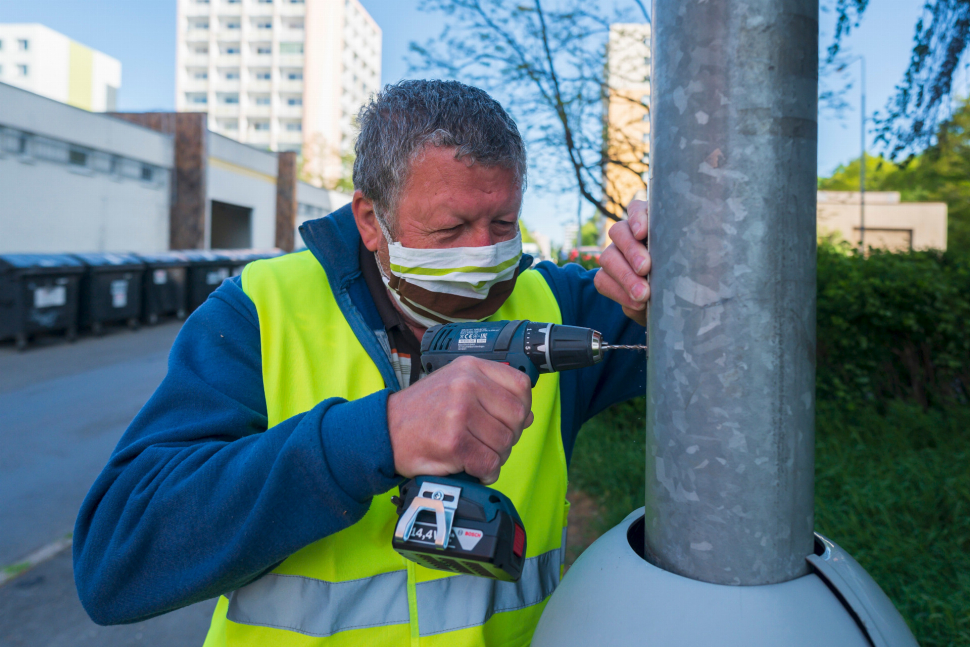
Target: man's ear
(366,219)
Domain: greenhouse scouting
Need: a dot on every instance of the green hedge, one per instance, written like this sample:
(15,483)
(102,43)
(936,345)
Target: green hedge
(893,326)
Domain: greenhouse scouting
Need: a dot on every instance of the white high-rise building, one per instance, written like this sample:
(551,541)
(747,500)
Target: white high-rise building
(282,74)
(48,63)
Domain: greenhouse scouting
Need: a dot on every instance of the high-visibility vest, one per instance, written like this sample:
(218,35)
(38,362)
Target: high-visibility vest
(352,588)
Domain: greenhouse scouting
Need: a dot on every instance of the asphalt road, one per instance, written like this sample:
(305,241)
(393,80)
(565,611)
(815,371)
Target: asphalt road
(63,408)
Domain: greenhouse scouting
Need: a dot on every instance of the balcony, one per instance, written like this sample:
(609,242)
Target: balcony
(290,10)
(258,86)
(291,60)
(254,111)
(290,112)
(190,84)
(196,35)
(288,86)
(224,110)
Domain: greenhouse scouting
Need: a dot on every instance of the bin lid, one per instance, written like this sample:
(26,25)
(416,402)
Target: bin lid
(247,255)
(164,258)
(205,256)
(107,260)
(39,262)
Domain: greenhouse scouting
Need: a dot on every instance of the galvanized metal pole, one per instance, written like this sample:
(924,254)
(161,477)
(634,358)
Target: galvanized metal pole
(731,378)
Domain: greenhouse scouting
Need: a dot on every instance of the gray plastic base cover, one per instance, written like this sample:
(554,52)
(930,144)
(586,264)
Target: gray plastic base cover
(612,596)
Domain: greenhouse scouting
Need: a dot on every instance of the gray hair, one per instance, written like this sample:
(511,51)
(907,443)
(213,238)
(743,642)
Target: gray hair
(405,117)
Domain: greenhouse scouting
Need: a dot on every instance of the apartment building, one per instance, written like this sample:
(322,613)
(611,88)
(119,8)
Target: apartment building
(48,63)
(627,115)
(287,75)
(890,223)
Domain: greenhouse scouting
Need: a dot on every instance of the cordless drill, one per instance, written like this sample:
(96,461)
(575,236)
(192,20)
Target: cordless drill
(454,523)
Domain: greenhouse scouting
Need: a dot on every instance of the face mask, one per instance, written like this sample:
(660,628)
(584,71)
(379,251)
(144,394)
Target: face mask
(435,286)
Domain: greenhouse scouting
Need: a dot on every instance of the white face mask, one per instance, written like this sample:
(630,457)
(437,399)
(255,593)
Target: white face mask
(435,286)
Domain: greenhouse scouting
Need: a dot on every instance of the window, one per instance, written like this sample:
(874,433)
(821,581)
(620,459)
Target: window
(23,45)
(260,125)
(264,49)
(262,76)
(232,75)
(201,1)
(230,99)
(296,1)
(1,45)
(77,157)
(265,1)
(261,100)
(232,25)
(232,49)
(294,101)
(23,70)
(147,173)
(294,126)
(1,70)
(200,25)
(197,99)
(291,48)
(201,50)
(201,76)
(264,24)
(294,76)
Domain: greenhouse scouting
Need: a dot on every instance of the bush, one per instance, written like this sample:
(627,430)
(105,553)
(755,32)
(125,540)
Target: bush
(892,326)
(893,489)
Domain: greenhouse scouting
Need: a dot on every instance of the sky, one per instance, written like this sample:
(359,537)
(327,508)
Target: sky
(141,34)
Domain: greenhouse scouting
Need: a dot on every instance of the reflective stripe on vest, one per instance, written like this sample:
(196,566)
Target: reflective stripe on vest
(351,587)
(282,601)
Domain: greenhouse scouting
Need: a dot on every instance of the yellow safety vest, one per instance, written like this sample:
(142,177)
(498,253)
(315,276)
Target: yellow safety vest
(352,588)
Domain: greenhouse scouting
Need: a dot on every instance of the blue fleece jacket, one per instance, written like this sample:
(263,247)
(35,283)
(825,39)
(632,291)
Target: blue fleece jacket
(200,497)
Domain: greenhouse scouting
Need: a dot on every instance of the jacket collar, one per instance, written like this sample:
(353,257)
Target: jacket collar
(333,241)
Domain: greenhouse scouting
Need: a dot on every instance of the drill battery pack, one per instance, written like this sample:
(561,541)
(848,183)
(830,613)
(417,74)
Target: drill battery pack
(453,523)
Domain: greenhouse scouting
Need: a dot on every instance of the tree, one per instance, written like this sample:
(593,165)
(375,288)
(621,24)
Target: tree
(940,173)
(923,97)
(544,61)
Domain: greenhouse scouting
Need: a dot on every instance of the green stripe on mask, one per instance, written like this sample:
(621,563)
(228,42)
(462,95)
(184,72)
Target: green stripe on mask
(428,271)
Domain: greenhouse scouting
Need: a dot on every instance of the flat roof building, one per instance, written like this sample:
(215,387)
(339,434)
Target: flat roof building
(890,223)
(48,63)
(78,181)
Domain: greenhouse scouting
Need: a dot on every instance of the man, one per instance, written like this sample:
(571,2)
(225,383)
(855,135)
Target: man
(262,469)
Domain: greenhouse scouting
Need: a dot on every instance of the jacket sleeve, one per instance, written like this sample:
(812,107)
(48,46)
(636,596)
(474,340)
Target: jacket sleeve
(200,497)
(622,375)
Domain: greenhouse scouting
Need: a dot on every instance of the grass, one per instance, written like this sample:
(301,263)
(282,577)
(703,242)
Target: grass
(892,487)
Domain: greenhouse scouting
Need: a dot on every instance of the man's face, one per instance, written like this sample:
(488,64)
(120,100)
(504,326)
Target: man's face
(446,203)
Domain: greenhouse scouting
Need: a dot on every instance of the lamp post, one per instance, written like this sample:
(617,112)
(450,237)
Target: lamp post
(862,156)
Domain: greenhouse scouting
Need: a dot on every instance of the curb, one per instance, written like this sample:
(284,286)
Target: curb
(42,554)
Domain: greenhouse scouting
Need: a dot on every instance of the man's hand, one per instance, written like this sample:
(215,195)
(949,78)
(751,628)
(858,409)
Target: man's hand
(463,417)
(626,262)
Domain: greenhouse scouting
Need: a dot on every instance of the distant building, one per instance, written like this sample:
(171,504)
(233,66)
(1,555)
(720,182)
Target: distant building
(627,116)
(569,235)
(76,181)
(50,64)
(890,223)
(286,75)
(72,180)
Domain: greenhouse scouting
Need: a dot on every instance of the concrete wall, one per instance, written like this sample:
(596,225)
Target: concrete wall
(890,223)
(314,202)
(242,175)
(50,205)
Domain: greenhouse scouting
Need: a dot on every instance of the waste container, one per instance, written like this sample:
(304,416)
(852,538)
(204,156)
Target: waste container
(110,290)
(163,286)
(207,271)
(38,294)
(240,258)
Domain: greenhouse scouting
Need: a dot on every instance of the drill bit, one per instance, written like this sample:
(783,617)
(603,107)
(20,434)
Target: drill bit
(624,347)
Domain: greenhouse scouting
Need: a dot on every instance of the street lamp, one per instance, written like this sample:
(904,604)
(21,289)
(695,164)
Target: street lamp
(862,157)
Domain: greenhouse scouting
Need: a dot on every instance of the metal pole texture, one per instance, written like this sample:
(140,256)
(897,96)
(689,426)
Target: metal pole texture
(731,377)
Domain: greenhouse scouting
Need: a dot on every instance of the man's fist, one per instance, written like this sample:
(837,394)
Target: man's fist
(465,416)
(626,262)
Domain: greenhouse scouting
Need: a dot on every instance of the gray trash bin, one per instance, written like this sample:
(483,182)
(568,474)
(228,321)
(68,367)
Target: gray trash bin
(110,290)
(207,271)
(38,294)
(164,286)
